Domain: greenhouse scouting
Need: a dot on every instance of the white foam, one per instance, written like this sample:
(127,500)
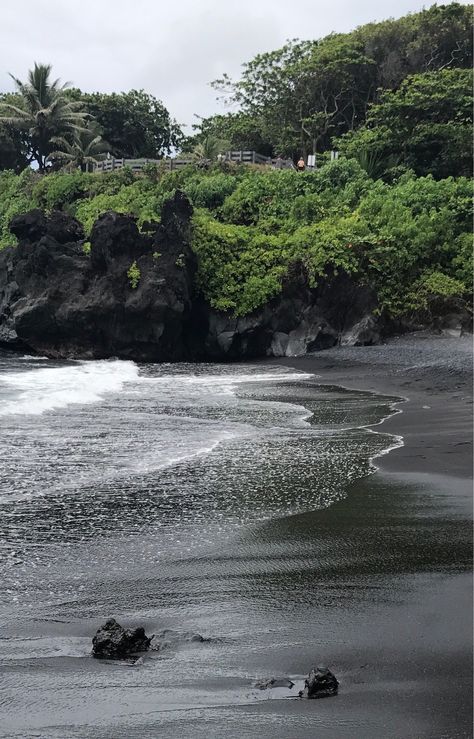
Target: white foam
(225,384)
(41,390)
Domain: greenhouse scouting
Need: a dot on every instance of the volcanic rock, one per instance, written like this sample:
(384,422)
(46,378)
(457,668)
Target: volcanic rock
(320,683)
(112,641)
(132,294)
(168,638)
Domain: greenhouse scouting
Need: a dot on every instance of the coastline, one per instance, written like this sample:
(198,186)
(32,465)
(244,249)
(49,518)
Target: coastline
(377,586)
(424,554)
(435,396)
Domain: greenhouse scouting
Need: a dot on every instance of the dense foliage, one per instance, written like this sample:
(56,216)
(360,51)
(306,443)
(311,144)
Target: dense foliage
(297,99)
(39,114)
(394,210)
(134,123)
(409,239)
(426,124)
(50,125)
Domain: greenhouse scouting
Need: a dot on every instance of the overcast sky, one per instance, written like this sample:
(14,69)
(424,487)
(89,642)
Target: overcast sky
(171,48)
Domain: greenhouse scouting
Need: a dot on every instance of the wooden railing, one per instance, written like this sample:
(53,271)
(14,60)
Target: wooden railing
(136,165)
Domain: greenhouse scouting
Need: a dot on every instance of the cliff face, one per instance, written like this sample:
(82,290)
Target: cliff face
(57,300)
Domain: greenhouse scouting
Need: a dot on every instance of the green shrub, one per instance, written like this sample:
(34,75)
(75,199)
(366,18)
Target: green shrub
(433,293)
(15,198)
(134,274)
(210,192)
(58,190)
(410,240)
(239,269)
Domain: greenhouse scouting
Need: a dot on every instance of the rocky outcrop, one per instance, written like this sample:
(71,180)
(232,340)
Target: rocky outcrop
(320,683)
(133,296)
(112,641)
(300,320)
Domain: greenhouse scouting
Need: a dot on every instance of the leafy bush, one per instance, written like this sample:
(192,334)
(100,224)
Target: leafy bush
(434,293)
(210,192)
(134,274)
(239,268)
(15,198)
(58,190)
(405,239)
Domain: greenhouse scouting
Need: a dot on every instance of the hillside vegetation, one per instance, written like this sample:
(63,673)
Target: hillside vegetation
(410,239)
(395,210)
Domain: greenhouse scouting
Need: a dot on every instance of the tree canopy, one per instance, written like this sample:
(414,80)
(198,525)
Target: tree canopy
(45,121)
(40,112)
(297,99)
(134,123)
(426,124)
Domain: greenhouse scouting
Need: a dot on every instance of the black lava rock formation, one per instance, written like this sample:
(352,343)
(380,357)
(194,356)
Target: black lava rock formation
(112,641)
(320,683)
(134,296)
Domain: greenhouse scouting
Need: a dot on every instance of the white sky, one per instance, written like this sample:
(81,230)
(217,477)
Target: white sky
(172,49)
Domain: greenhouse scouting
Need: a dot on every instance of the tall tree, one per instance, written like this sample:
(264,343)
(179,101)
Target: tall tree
(240,130)
(426,125)
(43,112)
(134,123)
(304,94)
(85,147)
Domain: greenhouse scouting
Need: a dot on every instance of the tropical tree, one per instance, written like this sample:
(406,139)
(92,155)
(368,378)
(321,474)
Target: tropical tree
(239,130)
(134,123)
(209,148)
(426,124)
(298,98)
(84,148)
(43,113)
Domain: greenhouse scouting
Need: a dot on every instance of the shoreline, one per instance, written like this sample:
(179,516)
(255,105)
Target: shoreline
(377,586)
(435,418)
(424,490)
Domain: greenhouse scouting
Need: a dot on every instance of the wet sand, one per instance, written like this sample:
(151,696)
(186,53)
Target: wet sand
(434,375)
(377,586)
(412,522)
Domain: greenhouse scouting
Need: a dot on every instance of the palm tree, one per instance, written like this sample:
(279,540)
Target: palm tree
(208,149)
(86,146)
(374,163)
(44,111)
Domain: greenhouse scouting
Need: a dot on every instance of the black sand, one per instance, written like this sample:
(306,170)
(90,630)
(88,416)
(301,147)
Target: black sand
(418,678)
(377,586)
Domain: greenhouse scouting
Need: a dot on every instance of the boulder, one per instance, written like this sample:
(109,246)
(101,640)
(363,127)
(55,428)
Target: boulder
(320,683)
(112,641)
(365,332)
(30,226)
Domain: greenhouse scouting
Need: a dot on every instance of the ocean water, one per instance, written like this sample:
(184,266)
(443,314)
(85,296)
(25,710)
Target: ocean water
(188,497)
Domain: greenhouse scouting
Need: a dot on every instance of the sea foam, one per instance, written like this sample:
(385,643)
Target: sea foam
(36,391)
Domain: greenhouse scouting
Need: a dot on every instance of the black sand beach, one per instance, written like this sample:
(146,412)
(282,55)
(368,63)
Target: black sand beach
(236,545)
(419,653)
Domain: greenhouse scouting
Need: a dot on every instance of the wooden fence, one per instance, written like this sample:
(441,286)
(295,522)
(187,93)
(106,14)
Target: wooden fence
(136,165)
